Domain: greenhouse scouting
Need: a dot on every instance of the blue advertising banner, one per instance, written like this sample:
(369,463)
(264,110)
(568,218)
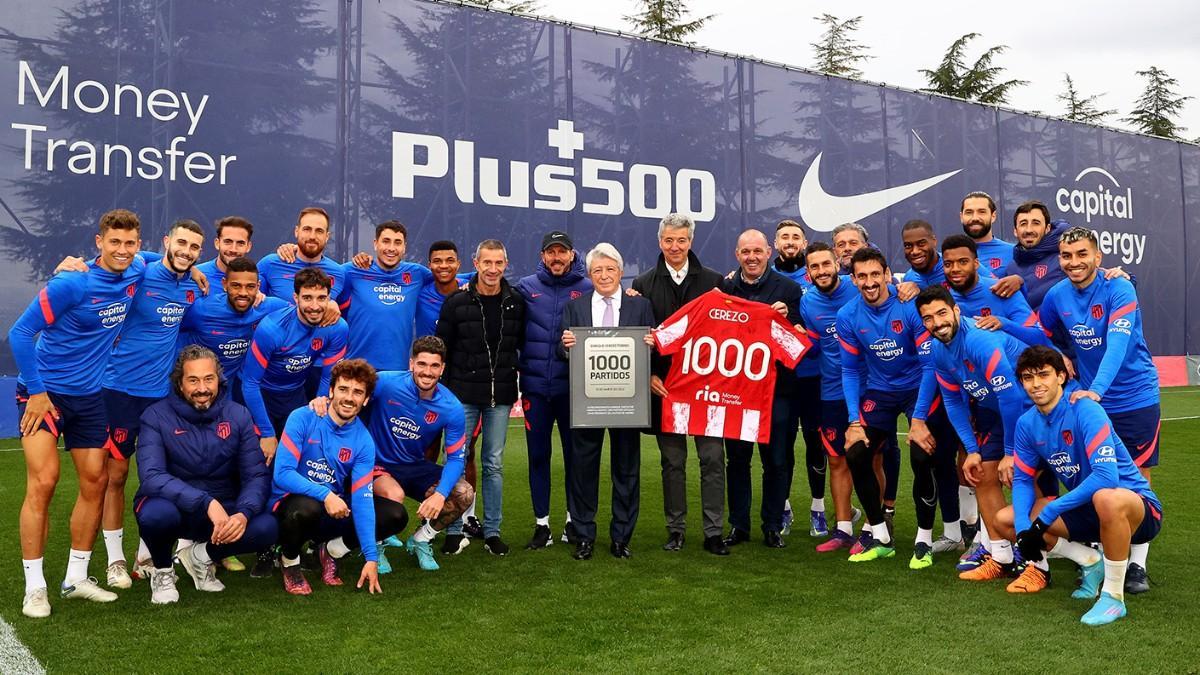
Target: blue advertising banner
(467,124)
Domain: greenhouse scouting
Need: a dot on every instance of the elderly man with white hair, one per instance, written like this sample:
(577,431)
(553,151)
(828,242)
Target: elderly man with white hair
(606,306)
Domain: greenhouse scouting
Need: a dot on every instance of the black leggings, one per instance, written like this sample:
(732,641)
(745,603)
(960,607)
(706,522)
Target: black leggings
(860,458)
(304,519)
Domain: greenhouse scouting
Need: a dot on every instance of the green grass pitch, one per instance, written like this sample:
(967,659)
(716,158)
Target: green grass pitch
(787,610)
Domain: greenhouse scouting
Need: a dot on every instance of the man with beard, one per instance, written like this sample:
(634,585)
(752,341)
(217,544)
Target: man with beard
(232,241)
(1035,256)
(818,308)
(977,215)
(976,370)
(59,344)
(848,238)
(203,478)
(676,280)
(806,410)
(380,302)
(312,234)
(978,299)
(545,395)
(138,373)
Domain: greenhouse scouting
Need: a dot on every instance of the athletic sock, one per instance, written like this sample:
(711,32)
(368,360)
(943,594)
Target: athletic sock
(1114,578)
(336,548)
(77,566)
(544,521)
(182,544)
(470,512)
(1043,564)
(952,530)
(1138,553)
(34,577)
(817,504)
(1075,552)
(427,533)
(143,551)
(924,536)
(881,534)
(285,561)
(846,526)
(113,543)
(1001,550)
(200,553)
(968,504)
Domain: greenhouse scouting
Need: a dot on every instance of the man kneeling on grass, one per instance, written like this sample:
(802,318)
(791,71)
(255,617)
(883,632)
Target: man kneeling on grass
(203,478)
(323,462)
(1108,501)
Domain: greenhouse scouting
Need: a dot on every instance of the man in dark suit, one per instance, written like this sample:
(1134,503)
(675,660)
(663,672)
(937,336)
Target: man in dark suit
(605,306)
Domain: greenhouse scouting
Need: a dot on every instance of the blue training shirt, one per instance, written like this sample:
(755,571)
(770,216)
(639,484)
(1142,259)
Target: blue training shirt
(403,425)
(213,323)
(937,275)
(282,350)
(211,272)
(980,365)
(819,312)
(1017,318)
(430,306)
(892,343)
(994,256)
(381,308)
(143,356)
(78,316)
(317,457)
(1104,323)
(275,277)
(1077,442)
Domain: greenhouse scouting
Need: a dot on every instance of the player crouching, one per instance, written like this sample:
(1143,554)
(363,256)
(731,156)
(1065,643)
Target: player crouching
(1108,500)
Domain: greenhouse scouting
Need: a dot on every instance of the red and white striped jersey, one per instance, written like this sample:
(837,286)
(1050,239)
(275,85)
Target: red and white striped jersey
(722,380)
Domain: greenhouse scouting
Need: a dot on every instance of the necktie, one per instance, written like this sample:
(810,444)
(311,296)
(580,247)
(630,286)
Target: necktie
(608,321)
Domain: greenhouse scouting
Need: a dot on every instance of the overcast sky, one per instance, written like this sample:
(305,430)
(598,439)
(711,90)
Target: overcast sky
(1101,43)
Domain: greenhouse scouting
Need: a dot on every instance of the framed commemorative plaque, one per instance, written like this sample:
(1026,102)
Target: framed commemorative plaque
(610,378)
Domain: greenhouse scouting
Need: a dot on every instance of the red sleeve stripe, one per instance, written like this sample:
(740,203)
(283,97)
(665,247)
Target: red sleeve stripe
(1122,311)
(848,347)
(258,355)
(335,358)
(344,305)
(992,364)
(946,384)
(1099,438)
(361,482)
(47,310)
(922,338)
(937,402)
(1032,320)
(290,445)
(1025,468)
(451,449)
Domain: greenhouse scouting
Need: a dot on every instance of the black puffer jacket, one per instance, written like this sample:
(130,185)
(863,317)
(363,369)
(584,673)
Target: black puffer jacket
(473,373)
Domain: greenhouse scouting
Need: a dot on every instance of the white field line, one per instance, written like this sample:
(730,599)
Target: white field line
(15,658)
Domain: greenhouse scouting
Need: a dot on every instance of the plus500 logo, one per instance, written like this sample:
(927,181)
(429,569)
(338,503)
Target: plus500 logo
(608,187)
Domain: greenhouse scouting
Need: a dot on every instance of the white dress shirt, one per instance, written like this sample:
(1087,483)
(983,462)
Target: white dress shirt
(678,275)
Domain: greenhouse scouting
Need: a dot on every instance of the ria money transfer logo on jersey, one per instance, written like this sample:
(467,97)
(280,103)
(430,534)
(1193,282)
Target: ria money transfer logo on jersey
(597,186)
(1107,200)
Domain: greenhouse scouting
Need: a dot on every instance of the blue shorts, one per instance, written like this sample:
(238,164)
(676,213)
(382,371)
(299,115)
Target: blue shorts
(280,404)
(833,427)
(881,409)
(82,421)
(1083,523)
(1138,430)
(415,479)
(124,421)
(989,433)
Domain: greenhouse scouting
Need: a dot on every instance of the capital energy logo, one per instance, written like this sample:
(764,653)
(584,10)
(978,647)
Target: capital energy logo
(822,211)
(1101,195)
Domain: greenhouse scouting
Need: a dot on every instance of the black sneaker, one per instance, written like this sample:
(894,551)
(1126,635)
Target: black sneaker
(454,544)
(309,562)
(495,545)
(541,538)
(1136,580)
(264,564)
(472,528)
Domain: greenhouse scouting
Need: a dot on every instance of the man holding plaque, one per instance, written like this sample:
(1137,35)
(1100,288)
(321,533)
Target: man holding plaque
(605,306)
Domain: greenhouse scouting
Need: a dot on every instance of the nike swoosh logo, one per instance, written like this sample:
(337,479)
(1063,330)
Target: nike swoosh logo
(822,211)
(535,295)
(180,432)
(929,502)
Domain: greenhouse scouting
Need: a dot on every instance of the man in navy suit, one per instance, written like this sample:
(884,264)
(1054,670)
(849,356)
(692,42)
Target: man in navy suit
(606,305)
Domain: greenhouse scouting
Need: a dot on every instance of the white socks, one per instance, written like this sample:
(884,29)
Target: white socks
(77,566)
(1138,553)
(470,512)
(34,577)
(143,552)
(817,505)
(427,533)
(881,534)
(113,541)
(289,562)
(846,526)
(968,505)
(1114,578)
(336,548)
(543,522)
(924,536)
(200,553)
(952,530)
(1077,553)
(1001,550)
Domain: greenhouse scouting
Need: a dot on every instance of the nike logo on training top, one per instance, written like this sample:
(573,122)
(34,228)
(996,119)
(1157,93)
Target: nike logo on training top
(822,211)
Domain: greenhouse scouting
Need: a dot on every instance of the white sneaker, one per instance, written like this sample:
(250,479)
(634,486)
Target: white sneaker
(162,587)
(204,576)
(88,589)
(37,604)
(118,575)
(143,569)
(944,544)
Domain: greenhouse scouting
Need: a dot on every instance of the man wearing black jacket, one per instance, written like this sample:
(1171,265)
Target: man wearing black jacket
(755,280)
(203,478)
(482,326)
(676,280)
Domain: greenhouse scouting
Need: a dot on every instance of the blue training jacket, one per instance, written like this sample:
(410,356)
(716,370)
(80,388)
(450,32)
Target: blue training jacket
(819,312)
(546,297)
(403,425)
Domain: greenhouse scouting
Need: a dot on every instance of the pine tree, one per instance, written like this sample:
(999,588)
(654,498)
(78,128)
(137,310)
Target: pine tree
(666,20)
(837,53)
(1081,108)
(980,82)
(1158,105)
